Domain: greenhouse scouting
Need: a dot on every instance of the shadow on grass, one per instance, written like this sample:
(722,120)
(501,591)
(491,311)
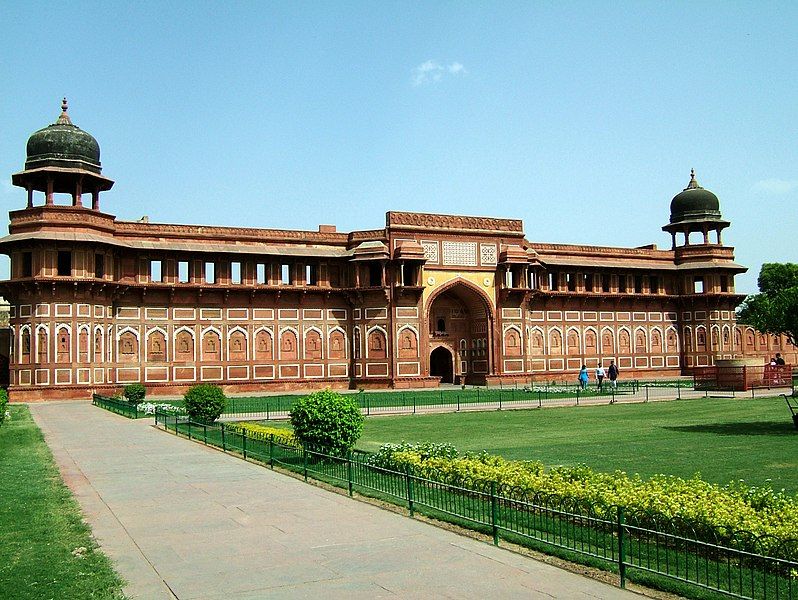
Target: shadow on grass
(750,428)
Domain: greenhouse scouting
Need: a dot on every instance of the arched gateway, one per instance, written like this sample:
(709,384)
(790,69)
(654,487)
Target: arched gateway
(459,321)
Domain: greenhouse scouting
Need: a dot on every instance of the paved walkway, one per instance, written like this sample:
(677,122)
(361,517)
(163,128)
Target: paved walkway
(185,521)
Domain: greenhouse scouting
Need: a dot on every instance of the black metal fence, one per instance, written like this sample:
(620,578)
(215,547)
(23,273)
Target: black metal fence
(120,407)
(636,544)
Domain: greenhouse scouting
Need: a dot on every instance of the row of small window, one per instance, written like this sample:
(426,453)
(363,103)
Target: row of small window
(209,275)
(604,283)
(63,264)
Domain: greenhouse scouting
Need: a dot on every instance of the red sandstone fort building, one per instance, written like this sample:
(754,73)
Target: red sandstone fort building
(97,302)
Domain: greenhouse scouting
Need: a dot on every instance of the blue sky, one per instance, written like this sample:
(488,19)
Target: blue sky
(583,119)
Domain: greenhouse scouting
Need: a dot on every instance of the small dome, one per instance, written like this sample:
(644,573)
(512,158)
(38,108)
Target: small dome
(694,203)
(63,144)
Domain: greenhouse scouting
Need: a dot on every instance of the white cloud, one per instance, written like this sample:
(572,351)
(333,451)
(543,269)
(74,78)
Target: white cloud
(432,71)
(775,186)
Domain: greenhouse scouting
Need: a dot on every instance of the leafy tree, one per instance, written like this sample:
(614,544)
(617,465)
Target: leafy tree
(327,420)
(775,309)
(135,393)
(204,402)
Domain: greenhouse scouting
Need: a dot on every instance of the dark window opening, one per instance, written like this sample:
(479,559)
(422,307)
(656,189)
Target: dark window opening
(553,283)
(653,284)
(441,325)
(64,263)
(99,266)
(638,284)
(409,275)
(622,284)
(375,275)
(27,264)
(588,282)
(570,279)
(724,283)
(334,275)
(606,283)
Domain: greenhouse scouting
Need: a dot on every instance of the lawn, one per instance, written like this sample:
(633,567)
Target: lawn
(722,439)
(46,550)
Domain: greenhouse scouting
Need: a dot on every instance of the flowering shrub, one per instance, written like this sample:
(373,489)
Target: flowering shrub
(262,432)
(702,507)
(384,457)
(149,408)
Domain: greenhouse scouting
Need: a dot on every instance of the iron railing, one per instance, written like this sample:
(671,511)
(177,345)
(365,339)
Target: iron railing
(120,407)
(632,543)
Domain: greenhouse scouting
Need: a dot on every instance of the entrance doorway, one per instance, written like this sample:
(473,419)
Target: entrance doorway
(441,364)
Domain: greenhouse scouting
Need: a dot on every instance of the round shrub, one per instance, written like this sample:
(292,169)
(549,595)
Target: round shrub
(3,405)
(135,393)
(327,421)
(204,402)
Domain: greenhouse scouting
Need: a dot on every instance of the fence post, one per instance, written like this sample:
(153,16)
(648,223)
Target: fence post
(305,462)
(271,452)
(244,443)
(224,445)
(409,481)
(414,403)
(349,471)
(540,402)
(577,397)
(621,548)
(267,409)
(368,405)
(477,395)
(678,391)
(189,428)
(458,402)
(500,399)
(205,433)
(646,393)
(493,509)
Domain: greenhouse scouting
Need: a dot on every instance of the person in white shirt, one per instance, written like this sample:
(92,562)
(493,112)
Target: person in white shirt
(600,376)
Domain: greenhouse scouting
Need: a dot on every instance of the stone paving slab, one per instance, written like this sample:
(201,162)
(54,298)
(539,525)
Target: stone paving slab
(185,521)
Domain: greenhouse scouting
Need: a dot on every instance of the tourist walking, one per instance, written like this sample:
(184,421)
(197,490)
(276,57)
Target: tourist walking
(612,372)
(583,377)
(600,373)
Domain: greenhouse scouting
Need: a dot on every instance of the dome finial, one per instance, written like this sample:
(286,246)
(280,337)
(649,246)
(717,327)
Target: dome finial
(693,185)
(64,119)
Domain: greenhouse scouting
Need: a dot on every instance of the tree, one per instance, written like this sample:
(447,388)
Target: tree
(328,421)
(775,309)
(135,393)
(204,402)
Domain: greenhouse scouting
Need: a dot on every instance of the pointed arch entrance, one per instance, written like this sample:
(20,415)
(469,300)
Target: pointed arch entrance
(441,364)
(459,322)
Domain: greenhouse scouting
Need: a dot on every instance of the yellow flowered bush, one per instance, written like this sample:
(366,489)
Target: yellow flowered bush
(686,506)
(257,431)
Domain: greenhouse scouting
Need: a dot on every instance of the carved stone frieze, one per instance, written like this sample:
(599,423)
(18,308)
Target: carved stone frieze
(431,221)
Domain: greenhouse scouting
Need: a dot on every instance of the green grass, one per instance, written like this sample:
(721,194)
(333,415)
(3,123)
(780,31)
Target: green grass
(41,525)
(722,439)
(575,538)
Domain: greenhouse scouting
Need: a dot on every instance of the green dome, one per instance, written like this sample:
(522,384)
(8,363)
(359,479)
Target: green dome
(63,144)
(694,203)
